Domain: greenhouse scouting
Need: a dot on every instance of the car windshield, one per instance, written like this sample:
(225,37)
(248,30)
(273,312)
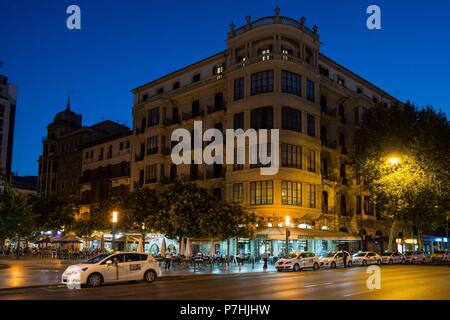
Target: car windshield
(97,259)
(359,254)
(409,253)
(386,254)
(291,255)
(330,254)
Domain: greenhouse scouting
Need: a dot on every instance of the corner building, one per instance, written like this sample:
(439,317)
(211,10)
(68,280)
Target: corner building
(272,75)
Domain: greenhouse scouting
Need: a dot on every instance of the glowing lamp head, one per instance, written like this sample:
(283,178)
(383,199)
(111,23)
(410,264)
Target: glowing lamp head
(288,221)
(393,161)
(114,216)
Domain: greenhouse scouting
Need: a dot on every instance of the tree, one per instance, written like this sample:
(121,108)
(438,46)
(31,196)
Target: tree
(99,219)
(53,214)
(229,219)
(414,189)
(142,208)
(190,211)
(184,208)
(17,219)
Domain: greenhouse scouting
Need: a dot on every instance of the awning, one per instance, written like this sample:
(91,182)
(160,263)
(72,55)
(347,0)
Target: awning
(305,234)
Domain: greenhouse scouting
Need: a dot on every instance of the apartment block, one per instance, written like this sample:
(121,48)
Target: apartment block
(8,96)
(271,75)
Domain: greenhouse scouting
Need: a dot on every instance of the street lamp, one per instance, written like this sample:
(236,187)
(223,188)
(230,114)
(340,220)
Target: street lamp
(288,233)
(114,223)
(394,161)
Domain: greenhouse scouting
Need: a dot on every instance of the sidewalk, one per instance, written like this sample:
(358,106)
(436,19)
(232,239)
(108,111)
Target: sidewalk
(34,272)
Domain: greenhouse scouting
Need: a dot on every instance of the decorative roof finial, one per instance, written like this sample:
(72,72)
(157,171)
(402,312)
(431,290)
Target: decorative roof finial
(315,28)
(248,19)
(277,11)
(302,20)
(68,99)
(232,26)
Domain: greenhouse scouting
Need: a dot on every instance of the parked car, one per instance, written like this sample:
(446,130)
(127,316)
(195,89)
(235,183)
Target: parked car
(364,258)
(415,256)
(441,255)
(298,261)
(392,257)
(334,259)
(112,268)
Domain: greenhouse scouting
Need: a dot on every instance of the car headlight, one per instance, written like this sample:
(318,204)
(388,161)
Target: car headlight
(288,262)
(84,269)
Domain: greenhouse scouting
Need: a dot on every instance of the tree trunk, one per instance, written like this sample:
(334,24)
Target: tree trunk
(228,249)
(391,235)
(17,247)
(143,241)
(420,238)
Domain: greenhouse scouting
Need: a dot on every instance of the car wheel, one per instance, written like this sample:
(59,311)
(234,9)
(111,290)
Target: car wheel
(423,261)
(364,262)
(94,280)
(349,264)
(333,265)
(149,276)
(316,266)
(296,267)
(378,262)
(413,261)
(391,261)
(403,261)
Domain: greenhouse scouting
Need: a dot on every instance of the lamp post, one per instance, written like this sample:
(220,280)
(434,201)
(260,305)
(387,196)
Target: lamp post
(114,223)
(288,233)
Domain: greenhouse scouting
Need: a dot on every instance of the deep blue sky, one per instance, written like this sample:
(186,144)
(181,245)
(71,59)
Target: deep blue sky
(123,44)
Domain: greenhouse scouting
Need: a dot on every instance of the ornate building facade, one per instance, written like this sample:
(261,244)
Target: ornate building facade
(272,75)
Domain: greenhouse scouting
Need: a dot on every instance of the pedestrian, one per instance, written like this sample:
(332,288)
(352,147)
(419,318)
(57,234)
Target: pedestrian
(344,258)
(169,256)
(265,257)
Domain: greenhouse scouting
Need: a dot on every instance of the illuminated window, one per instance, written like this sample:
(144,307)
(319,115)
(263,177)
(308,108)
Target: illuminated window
(261,192)
(291,193)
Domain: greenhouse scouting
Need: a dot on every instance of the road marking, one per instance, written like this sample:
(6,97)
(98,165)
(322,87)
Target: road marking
(356,293)
(319,284)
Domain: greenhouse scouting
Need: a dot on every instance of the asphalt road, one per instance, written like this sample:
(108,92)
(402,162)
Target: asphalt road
(397,282)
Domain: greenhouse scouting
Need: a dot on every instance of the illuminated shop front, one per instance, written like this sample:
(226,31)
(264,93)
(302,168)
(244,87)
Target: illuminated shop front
(273,241)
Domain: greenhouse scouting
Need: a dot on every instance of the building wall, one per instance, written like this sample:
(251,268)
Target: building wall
(105,171)
(7,119)
(294,48)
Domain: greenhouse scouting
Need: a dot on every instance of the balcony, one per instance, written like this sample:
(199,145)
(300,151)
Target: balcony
(269,57)
(164,180)
(140,130)
(331,112)
(192,115)
(331,145)
(277,19)
(216,172)
(216,108)
(167,151)
(138,157)
(169,122)
(151,151)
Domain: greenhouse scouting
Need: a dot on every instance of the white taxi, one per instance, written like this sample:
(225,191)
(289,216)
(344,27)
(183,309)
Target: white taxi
(334,259)
(298,261)
(392,257)
(441,256)
(415,256)
(112,268)
(364,258)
